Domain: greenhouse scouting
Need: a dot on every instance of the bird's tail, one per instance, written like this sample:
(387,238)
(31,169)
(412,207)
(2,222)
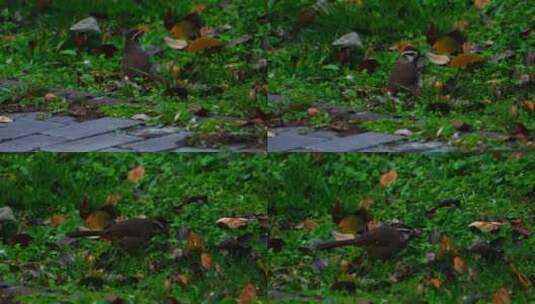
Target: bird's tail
(77,234)
(334,244)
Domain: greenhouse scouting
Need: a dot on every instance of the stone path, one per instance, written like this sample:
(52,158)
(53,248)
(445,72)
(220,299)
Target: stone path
(303,139)
(37,132)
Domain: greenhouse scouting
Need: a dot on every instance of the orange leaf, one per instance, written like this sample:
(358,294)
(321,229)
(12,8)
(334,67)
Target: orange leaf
(530,105)
(446,45)
(351,224)
(388,178)
(194,241)
(446,245)
(206,261)
(136,174)
(486,226)
(522,278)
(248,294)
(437,283)
(57,220)
(502,296)
(98,220)
(233,222)
(481,3)
(203,43)
(458,264)
(466,59)
(313,111)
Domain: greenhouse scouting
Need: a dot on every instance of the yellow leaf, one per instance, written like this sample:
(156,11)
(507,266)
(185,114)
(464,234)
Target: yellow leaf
(203,43)
(466,59)
(446,45)
(481,3)
(194,241)
(351,224)
(388,178)
(438,59)
(248,294)
(98,220)
(184,30)
(5,119)
(136,174)
(502,296)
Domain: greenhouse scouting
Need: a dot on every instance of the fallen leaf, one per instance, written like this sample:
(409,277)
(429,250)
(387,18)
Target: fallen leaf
(437,283)
(530,105)
(309,224)
(481,3)
(524,281)
(466,59)
(342,236)
(486,226)
(203,43)
(388,178)
(313,111)
(446,245)
(352,224)
(185,30)
(502,296)
(206,260)
(57,220)
(5,119)
(438,59)
(176,44)
(248,294)
(233,222)
(366,203)
(458,264)
(49,97)
(194,241)
(98,220)
(461,24)
(460,125)
(182,279)
(446,45)
(135,174)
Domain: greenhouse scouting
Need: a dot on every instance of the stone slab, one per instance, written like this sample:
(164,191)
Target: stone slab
(287,139)
(30,143)
(94,143)
(354,142)
(92,127)
(195,150)
(24,127)
(158,144)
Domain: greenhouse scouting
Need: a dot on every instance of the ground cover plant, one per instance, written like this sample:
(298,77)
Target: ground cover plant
(211,77)
(470,219)
(476,68)
(196,260)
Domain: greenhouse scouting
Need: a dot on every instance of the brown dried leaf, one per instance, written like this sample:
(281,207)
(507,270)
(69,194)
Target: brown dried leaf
(113,199)
(351,224)
(57,220)
(502,296)
(233,222)
(135,174)
(98,220)
(446,45)
(481,3)
(466,59)
(203,43)
(5,119)
(486,226)
(458,264)
(530,105)
(184,30)
(248,294)
(309,224)
(313,111)
(438,59)
(194,241)
(206,260)
(523,279)
(388,178)
(447,245)
(176,44)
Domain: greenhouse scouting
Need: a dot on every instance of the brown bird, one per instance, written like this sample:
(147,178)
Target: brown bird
(129,235)
(382,242)
(136,61)
(405,75)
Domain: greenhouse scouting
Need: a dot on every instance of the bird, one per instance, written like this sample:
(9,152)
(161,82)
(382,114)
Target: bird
(128,235)
(136,61)
(404,74)
(382,242)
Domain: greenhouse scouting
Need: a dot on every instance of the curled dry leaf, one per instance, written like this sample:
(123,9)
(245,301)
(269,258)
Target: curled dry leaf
(135,174)
(313,111)
(176,44)
(98,220)
(248,294)
(203,43)
(446,45)
(57,220)
(388,178)
(438,59)
(342,236)
(530,105)
(5,119)
(49,97)
(486,226)
(466,59)
(502,296)
(481,3)
(524,281)
(233,222)
(194,241)
(446,245)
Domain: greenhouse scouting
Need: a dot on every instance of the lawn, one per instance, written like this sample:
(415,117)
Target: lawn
(186,264)
(315,197)
(480,106)
(215,90)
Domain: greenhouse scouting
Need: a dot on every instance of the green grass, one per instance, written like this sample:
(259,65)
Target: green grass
(303,66)
(489,187)
(54,61)
(39,186)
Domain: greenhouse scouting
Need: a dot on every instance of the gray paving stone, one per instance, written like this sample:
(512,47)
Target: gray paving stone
(353,143)
(150,132)
(64,120)
(116,150)
(29,143)
(195,150)
(94,143)
(421,147)
(291,139)
(164,143)
(92,127)
(23,127)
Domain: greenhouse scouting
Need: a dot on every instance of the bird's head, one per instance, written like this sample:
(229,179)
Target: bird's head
(410,55)
(133,35)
